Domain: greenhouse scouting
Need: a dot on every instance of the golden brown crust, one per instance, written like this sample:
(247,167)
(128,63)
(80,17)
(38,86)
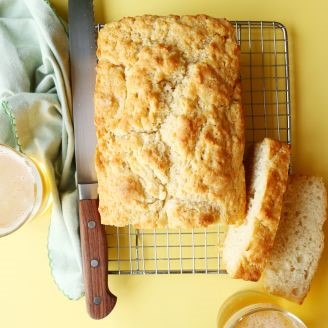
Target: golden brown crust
(169,122)
(266,223)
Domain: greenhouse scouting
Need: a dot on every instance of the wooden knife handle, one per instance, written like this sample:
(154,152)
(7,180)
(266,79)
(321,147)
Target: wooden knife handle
(99,300)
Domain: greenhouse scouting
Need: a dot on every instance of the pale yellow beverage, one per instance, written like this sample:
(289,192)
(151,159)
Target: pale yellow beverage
(253,309)
(22,190)
(263,316)
(266,319)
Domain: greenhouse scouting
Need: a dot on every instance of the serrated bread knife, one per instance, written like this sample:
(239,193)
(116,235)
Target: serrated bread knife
(82,41)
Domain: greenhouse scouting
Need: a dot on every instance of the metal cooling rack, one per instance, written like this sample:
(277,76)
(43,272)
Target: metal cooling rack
(266,99)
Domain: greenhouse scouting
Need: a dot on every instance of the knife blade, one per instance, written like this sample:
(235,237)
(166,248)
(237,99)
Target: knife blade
(83,62)
(99,300)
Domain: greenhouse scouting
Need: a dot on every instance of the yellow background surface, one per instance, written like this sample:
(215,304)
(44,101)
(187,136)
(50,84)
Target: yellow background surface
(28,295)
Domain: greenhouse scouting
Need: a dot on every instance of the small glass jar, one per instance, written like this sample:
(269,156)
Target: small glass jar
(24,189)
(255,309)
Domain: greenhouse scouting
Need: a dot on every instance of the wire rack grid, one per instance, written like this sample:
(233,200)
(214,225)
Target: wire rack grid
(266,101)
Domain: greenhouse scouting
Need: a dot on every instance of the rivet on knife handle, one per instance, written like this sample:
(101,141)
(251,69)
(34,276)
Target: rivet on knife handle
(100,301)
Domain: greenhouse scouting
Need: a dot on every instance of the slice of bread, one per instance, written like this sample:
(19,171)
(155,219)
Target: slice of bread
(299,240)
(246,247)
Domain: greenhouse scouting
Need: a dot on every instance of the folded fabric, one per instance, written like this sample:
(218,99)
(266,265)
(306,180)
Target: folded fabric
(35,118)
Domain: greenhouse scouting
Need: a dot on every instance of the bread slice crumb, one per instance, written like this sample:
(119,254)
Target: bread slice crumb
(247,247)
(299,241)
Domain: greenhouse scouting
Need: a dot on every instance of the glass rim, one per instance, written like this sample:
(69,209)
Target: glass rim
(237,305)
(248,310)
(38,189)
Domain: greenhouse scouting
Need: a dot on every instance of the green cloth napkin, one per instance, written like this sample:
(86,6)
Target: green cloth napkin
(36,118)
